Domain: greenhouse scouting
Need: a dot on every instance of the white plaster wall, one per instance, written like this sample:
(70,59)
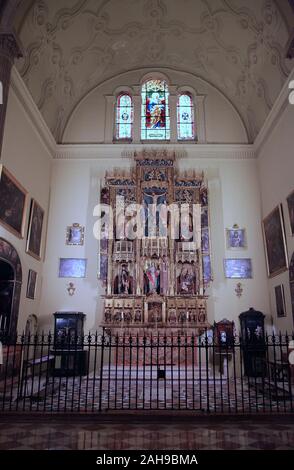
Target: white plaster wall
(75,192)
(276,168)
(25,156)
(234,198)
(87,122)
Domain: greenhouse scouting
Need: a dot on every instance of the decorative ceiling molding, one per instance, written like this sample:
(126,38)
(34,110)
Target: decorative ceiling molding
(61,67)
(118,151)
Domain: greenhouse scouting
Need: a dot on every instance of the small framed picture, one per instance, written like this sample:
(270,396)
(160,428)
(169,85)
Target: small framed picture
(280,301)
(34,240)
(31,286)
(238,268)
(290,202)
(236,238)
(75,234)
(72,267)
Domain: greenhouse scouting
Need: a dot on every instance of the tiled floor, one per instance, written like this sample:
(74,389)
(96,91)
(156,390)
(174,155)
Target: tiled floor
(76,434)
(83,394)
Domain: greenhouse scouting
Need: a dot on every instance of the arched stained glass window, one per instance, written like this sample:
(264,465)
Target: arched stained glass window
(155,120)
(185,117)
(124,117)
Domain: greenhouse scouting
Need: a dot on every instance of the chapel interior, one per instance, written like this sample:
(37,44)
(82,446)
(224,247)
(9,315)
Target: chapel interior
(110,108)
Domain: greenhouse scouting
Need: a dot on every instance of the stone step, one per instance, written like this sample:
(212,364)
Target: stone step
(168,373)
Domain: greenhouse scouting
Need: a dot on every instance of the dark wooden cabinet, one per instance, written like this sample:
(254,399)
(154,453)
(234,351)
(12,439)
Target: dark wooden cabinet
(70,362)
(253,343)
(224,334)
(70,356)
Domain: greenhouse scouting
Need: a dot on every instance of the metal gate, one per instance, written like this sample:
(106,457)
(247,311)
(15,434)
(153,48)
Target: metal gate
(100,372)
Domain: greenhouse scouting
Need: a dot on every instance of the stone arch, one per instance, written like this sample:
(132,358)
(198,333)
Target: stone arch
(9,255)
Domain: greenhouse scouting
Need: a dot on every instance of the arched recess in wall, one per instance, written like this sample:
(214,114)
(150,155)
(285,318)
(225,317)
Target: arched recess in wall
(177,80)
(291,278)
(10,289)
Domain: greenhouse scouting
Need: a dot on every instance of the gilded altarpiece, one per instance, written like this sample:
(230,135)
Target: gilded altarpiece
(155,271)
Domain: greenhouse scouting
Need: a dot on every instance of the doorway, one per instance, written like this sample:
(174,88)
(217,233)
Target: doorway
(7,282)
(10,289)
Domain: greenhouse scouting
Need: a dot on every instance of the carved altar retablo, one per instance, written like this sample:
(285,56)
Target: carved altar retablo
(155,251)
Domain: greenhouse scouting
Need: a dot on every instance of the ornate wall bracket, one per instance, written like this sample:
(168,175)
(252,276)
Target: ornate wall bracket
(71,289)
(239,290)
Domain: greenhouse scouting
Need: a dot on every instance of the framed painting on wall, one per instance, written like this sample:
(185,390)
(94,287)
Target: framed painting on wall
(75,235)
(72,267)
(13,203)
(35,230)
(238,268)
(290,202)
(280,301)
(236,237)
(275,242)
(31,286)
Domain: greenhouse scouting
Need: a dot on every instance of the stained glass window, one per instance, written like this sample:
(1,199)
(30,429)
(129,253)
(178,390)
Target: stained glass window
(155,120)
(124,117)
(185,117)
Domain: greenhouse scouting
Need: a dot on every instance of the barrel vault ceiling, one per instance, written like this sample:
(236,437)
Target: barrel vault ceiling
(71,46)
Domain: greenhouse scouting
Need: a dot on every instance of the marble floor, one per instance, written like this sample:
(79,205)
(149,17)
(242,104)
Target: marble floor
(82,394)
(94,433)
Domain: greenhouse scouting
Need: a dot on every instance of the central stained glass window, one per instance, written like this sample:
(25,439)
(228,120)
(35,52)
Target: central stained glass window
(155,119)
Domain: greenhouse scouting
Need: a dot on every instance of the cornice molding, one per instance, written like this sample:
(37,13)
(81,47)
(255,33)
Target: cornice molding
(23,95)
(118,151)
(274,116)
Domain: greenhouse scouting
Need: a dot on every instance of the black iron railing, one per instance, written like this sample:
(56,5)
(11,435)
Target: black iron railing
(100,372)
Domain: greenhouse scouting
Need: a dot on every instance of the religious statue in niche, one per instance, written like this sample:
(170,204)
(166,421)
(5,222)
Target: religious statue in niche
(123,282)
(138,316)
(172,318)
(187,227)
(154,312)
(152,279)
(164,269)
(187,280)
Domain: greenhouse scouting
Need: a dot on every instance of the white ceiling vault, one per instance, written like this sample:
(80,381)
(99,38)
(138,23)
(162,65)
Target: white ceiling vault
(71,46)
